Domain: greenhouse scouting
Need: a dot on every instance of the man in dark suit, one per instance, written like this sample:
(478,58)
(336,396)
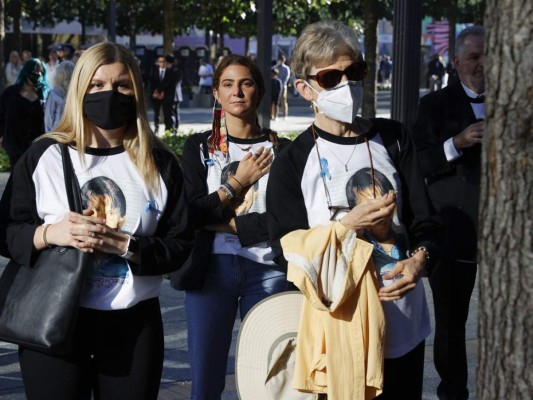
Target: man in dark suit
(163,89)
(448,134)
(435,73)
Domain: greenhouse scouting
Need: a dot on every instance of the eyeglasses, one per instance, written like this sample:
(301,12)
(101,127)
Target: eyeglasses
(329,78)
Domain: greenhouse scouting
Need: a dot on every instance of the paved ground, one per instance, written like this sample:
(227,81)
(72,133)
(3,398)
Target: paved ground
(175,384)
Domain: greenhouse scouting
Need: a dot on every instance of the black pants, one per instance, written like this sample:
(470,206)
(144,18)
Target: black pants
(452,283)
(116,355)
(176,115)
(404,376)
(168,115)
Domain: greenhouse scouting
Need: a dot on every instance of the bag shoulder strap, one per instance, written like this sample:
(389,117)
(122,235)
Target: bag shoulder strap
(71,181)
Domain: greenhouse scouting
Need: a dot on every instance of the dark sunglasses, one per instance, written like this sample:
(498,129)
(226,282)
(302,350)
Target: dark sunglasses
(329,78)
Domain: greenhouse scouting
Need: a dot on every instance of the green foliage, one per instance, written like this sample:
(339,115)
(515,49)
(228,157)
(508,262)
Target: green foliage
(176,142)
(4,161)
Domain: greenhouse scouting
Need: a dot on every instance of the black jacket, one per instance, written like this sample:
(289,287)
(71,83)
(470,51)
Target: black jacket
(453,186)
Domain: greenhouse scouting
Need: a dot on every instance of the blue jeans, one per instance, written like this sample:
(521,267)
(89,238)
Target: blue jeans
(232,282)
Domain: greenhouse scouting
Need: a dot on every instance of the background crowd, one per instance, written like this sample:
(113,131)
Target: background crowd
(407,196)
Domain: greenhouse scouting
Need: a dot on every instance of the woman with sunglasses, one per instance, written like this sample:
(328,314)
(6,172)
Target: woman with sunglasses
(226,173)
(316,183)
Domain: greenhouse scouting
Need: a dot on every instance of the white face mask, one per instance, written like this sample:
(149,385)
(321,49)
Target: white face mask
(341,102)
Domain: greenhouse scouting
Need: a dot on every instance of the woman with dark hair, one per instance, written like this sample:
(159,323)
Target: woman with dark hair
(239,269)
(134,227)
(22,109)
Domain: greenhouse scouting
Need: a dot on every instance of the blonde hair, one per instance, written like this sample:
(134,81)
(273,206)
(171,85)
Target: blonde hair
(72,128)
(62,76)
(320,44)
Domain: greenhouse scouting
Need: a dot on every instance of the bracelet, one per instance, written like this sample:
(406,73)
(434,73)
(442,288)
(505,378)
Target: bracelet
(236,180)
(45,228)
(230,188)
(421,248)
(227,191)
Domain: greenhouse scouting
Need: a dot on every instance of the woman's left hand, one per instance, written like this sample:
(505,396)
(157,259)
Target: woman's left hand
(411,269)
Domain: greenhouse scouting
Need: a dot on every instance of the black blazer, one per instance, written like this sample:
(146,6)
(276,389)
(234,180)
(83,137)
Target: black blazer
(453,186)
(166,85)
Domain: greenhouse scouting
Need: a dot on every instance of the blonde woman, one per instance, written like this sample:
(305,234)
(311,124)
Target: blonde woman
(55,103)
(117,350)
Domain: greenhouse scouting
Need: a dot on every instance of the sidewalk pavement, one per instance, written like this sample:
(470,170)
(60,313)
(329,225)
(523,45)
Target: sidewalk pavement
(175,383)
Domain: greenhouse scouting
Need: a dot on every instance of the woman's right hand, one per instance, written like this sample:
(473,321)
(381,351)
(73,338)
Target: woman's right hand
(369,213)
(76,230)
(254,166)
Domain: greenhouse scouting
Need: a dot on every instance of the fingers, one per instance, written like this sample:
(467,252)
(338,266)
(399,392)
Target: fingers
(405,278)
(395,291)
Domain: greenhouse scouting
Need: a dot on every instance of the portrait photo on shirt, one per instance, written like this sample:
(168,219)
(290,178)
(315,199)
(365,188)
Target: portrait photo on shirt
(105,198)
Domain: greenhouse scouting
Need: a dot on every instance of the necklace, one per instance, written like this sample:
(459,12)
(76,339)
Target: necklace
(245,149)
(349,158)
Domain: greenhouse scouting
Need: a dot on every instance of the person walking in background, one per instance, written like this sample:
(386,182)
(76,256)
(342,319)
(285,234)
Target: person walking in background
(275,92)
(13,67)
(55,103)
(26,55)
(22,109)
(385,71)
(163,89)
(65,52)
(117,344)
(205,72)
(284,74)
(226,172)
(51,64)
(435,73)
(448,132)
(356,181)
(178,94)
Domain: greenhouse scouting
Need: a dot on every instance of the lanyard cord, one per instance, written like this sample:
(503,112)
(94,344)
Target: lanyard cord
(323,175)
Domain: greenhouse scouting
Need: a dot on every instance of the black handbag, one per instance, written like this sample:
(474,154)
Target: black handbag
(39,304)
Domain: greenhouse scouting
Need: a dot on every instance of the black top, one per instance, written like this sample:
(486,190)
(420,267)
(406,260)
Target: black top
(21,120)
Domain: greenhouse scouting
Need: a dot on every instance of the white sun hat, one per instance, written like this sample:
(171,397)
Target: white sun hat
(264,362)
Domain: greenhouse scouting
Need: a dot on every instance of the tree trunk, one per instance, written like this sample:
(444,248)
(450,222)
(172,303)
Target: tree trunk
(371,48)
(133,29)
(2,44)
(506,255)
(246,45)
(17,31)
(452,19)
(168,29)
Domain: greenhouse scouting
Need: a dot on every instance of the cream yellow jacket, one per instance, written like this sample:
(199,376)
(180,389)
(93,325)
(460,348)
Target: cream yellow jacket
(341,334)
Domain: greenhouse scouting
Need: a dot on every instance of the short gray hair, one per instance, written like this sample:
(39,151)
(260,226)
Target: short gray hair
(475,30)
(320,44)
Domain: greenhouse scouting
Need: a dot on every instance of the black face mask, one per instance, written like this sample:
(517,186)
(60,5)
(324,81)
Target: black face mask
(109,109)
(35,80)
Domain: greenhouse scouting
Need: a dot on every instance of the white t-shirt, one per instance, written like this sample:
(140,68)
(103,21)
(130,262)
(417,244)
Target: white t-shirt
(226,243)
(111,184)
